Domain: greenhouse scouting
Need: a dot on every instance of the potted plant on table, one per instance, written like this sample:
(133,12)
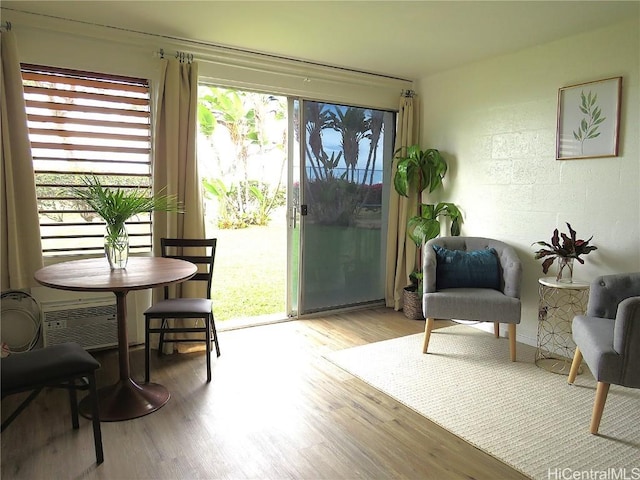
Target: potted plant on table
(115,207)
(566,252)
(416,171)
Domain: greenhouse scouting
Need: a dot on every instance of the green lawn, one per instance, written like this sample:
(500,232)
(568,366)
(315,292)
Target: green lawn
(249,275)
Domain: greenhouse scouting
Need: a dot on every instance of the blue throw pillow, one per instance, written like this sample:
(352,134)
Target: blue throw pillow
(461,269)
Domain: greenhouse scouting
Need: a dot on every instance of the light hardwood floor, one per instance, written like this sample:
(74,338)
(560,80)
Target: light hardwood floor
(276,409)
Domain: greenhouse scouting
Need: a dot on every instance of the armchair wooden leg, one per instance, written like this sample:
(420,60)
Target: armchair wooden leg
(512,341)
(427,334)
(496,329)
(575,366)
(598,406)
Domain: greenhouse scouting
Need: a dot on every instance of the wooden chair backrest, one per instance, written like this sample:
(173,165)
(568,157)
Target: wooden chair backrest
(180,248)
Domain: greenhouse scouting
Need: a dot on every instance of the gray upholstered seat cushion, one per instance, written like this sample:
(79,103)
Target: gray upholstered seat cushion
(181,307)
(52,364)
(463,303)
(595,337)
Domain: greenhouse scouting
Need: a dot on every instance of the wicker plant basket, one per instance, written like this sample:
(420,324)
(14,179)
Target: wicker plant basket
(412,303)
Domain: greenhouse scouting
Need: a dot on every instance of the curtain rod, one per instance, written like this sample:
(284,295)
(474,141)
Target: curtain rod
(408,93)
(5,26)
(184,57)
(206,44)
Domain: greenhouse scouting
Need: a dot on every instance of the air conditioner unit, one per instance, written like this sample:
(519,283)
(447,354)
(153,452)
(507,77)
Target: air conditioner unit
(90,323)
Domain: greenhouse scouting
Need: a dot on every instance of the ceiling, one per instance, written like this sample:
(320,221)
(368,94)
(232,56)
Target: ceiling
(403,39)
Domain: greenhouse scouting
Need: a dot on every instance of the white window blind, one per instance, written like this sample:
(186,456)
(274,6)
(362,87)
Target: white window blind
(83,124)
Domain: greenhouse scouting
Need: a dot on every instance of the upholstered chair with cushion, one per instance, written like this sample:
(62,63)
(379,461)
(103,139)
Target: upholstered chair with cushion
(67,366)
(608,337)
(472,278)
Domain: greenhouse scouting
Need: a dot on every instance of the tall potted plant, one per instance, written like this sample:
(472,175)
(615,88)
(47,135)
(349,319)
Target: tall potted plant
(115,207)
(416,171)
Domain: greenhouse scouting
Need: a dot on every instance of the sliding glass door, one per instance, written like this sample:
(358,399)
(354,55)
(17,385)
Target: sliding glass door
(337,163)
(340,158)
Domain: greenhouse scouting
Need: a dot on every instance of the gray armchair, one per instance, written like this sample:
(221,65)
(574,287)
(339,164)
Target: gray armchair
(608,337)
(495,299)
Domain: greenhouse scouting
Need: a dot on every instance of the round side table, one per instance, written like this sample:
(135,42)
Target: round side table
(559,303)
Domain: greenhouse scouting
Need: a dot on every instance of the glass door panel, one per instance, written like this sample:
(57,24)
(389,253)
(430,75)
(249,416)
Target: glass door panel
(345,157)
(293,210)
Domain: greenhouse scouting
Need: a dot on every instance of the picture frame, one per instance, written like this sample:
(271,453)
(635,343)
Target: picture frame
(588,123)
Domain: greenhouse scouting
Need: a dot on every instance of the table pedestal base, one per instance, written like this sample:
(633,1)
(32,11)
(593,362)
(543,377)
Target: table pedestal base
(126,400)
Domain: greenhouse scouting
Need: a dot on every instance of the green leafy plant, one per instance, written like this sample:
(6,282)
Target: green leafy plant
(252,122)
(418,170)
(589,124)
(426,226)
(263,199)
(569,247)
(116,206)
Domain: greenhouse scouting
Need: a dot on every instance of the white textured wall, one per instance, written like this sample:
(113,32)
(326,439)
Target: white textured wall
(496,123)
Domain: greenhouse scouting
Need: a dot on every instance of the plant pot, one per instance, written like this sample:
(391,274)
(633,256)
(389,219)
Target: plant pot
(565,270)
(412,303)
(116,247)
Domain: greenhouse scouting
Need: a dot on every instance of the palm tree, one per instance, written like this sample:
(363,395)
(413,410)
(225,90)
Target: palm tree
(244,115)
(354,127)
(317,119)
(376,123)
(227,108)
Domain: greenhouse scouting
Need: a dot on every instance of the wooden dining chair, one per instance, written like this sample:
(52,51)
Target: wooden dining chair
(200,252)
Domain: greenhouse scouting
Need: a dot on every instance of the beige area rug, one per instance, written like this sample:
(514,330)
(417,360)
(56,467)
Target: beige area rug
(523,415)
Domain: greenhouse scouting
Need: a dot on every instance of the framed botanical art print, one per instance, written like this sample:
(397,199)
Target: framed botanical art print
(589,119)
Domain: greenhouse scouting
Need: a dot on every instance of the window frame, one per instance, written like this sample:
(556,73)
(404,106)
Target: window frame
(86,123)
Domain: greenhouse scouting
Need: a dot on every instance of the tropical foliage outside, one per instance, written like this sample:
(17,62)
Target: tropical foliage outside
(339,188)
(245,161)
(242,156)
(343,153)
(242,159)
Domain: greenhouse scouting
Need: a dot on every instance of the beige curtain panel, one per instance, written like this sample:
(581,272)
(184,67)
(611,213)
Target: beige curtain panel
(20,246)
(401,251)
(175,167)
